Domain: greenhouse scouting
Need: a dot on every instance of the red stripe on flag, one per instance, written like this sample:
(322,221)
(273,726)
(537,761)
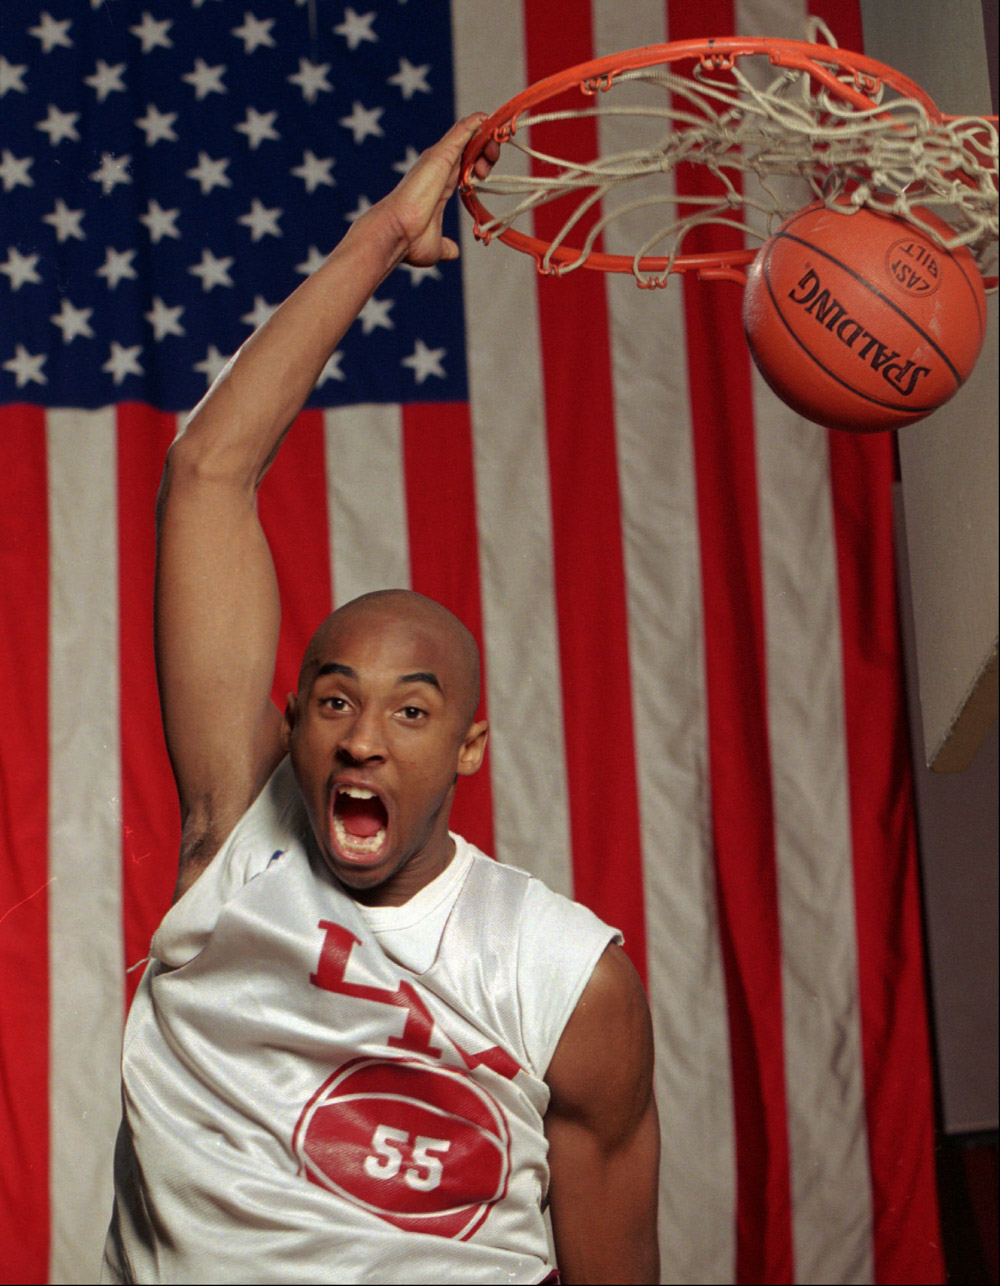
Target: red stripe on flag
(843,17)
(293,513)
(150,816)
(895,1044)
(444,554)
(739,760)
(24,794)
(592,611)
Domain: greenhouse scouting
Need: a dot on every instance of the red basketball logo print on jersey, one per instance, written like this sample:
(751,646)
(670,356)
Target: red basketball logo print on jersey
(423,1147)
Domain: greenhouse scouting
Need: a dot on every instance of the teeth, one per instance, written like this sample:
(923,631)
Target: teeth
(354,843)
(356,792)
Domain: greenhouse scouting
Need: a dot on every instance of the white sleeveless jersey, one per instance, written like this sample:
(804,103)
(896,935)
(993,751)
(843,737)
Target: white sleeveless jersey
(315,1091)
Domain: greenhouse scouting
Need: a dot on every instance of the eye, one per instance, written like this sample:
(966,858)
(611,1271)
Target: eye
(335,704)
(412,713)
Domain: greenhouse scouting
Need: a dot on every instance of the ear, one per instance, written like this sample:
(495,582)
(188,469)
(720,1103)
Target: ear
(470,757)
(288,719)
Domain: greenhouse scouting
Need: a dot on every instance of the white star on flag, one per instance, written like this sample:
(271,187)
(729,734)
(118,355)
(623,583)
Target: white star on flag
(14,171)
(210,174)
(375,314)
(410,79)
(311,78)
(257,126)
(26,367)
(157,125)
(313,171)
(73,321)
(106,80)
(51,32)
(363,121)
(117,266)
(315,260)
(363,205)
(160,223)
(153,33)
(212,364)
(424,361)
(408,162)
(212,271)
(254,33)
(65,221)
(261,221)
(20,268)
(206,80)
(164,320)
(332,371)
(356,27)
(123,361)
(260,312)
(59,125)
(112,171)
(12,76)
(417,275)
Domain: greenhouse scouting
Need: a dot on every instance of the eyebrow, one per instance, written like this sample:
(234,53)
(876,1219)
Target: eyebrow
(422,676)
(418,676)
(334,667)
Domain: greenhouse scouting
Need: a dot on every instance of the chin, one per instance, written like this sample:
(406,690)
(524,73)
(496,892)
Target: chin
(358,875)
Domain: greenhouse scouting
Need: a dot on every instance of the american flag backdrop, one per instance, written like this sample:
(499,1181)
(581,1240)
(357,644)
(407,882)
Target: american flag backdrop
(685,595)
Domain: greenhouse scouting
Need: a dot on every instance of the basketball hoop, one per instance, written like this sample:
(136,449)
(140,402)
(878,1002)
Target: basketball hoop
(735,131)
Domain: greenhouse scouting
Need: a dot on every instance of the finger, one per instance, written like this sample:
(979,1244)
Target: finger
(486,158)
(456,138)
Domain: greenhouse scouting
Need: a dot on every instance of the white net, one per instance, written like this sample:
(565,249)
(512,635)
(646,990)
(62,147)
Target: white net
(771,138)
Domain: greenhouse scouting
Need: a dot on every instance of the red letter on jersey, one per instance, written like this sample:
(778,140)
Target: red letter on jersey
(338,942)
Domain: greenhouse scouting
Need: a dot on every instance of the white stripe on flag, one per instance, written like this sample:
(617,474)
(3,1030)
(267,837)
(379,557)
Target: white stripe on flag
(531,817)
(87,997)
(830,1175)
(687,988)
(366,500)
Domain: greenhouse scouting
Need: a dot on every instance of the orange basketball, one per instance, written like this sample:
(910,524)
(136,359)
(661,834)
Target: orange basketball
(862,321)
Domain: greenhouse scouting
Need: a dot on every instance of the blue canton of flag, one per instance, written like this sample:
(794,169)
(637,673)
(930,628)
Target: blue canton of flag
(171,171)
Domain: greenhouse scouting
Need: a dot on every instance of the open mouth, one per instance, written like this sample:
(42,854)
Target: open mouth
(360,822)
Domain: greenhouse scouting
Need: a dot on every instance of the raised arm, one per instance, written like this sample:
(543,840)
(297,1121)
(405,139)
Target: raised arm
(603,1133)
(217,604)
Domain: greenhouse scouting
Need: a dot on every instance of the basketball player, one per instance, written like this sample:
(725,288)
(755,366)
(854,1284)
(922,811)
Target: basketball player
(361,1051)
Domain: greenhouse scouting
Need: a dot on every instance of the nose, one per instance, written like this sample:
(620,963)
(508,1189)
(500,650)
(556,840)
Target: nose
(362,739)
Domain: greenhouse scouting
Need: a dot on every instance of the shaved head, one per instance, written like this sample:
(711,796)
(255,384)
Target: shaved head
(395,608)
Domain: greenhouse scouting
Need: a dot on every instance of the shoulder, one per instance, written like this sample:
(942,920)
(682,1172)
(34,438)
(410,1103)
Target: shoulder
(548,944)
(541,920)
(604,1059)
(542,912)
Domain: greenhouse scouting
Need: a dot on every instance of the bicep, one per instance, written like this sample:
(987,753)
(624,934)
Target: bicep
(603,1133)
(216,621)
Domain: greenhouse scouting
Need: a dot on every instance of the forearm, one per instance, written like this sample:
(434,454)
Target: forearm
(237,428)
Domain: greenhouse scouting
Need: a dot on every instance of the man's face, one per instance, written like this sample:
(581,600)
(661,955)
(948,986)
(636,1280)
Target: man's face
(377,733)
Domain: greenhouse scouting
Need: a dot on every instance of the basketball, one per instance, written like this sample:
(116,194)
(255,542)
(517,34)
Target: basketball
(861,321)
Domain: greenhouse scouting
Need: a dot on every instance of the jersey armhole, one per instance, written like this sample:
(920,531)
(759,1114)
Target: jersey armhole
(185,929)
(566,942)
